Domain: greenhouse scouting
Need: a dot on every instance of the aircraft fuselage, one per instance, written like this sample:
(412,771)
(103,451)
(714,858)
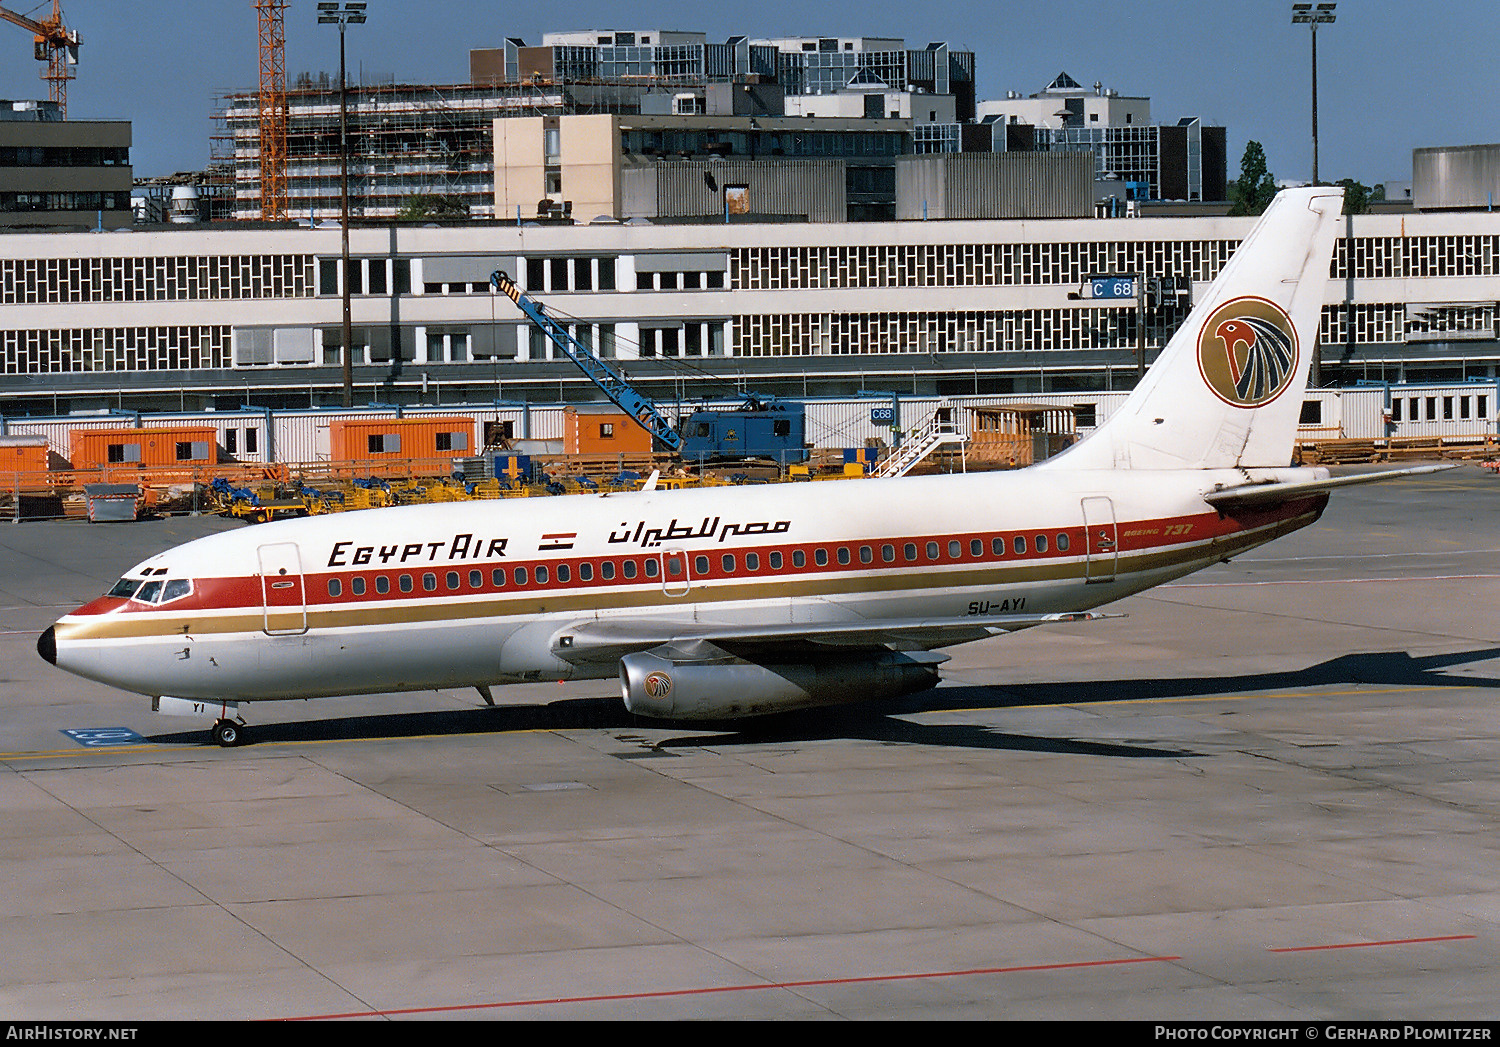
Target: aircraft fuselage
(479,593)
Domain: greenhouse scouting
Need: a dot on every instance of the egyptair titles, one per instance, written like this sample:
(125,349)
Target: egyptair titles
(712,527)
(462,547)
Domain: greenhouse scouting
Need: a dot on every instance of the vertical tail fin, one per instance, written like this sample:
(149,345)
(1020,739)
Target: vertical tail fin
(1227,390)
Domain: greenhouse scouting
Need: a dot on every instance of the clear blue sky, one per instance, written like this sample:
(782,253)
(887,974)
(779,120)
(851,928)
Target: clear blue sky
(1393,76)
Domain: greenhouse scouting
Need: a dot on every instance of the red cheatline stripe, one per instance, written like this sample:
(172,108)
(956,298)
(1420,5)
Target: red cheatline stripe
(1366,945)
(668,993)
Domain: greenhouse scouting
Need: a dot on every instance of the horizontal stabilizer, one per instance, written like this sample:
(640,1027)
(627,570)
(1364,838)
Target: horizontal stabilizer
(1276,493)
(601,641)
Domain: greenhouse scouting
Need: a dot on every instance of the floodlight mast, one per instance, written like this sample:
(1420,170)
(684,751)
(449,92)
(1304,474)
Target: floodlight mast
(333,14)
(1312,17)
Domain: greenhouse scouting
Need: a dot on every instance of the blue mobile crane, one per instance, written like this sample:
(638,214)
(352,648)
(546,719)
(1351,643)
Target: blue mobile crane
(754,428)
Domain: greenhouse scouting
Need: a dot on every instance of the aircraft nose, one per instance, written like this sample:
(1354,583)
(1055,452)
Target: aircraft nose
(46,644)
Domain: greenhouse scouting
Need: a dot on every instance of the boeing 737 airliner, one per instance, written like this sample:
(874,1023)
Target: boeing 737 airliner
(737,601)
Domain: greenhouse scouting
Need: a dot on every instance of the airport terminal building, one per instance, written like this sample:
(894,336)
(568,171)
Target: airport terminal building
(195,318)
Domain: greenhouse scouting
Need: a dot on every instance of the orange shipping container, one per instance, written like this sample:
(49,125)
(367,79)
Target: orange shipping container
(388,439)
(23,454)
(185,445)
(602,431)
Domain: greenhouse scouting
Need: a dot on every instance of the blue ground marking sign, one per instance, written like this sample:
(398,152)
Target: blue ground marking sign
(102,737)
(1111,287)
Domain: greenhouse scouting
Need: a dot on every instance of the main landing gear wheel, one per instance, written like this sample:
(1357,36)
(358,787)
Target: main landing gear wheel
(228,733)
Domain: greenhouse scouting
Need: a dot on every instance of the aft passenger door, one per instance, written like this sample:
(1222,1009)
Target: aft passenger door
(674,572)
(281,590)
(1101,540)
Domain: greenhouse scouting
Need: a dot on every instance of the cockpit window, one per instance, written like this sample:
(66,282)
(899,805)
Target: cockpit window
(149,592)
(125,588)
(175,588)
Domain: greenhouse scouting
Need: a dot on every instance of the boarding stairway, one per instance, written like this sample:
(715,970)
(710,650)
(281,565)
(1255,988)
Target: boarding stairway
(941,431)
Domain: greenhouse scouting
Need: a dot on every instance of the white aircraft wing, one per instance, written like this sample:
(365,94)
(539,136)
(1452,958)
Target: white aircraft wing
(595,641)
(1273,493)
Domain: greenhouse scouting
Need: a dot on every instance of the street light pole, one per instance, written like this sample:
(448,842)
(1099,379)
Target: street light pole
(332,14)
(1304,14)
(1140,325)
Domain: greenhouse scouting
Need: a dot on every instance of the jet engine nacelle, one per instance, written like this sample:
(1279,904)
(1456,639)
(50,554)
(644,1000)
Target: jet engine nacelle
(698,681)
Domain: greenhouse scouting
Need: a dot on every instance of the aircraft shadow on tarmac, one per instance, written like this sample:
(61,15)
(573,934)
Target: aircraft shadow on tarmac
(881,721)
(1381,668)
(871,722)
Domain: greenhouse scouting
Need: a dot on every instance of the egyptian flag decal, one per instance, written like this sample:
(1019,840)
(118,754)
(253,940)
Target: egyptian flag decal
(557,541)
(1247,352)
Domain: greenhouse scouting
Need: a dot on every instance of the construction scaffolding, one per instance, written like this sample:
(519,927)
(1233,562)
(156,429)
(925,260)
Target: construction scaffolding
(404,141)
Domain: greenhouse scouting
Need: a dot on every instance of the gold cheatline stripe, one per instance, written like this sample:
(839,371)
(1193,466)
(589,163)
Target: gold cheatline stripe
(116,627)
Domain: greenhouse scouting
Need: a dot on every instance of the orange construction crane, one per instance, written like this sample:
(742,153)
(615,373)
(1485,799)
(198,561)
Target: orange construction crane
(57,45)
(273,109)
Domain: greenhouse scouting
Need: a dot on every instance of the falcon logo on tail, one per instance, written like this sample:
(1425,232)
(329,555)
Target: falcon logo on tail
(1247,352)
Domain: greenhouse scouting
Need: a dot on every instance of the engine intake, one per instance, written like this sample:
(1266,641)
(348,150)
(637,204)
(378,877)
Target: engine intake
(699,681)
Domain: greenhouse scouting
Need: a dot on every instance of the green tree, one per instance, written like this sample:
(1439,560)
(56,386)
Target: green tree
(1357,196)
(1256,186)
(430,207)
